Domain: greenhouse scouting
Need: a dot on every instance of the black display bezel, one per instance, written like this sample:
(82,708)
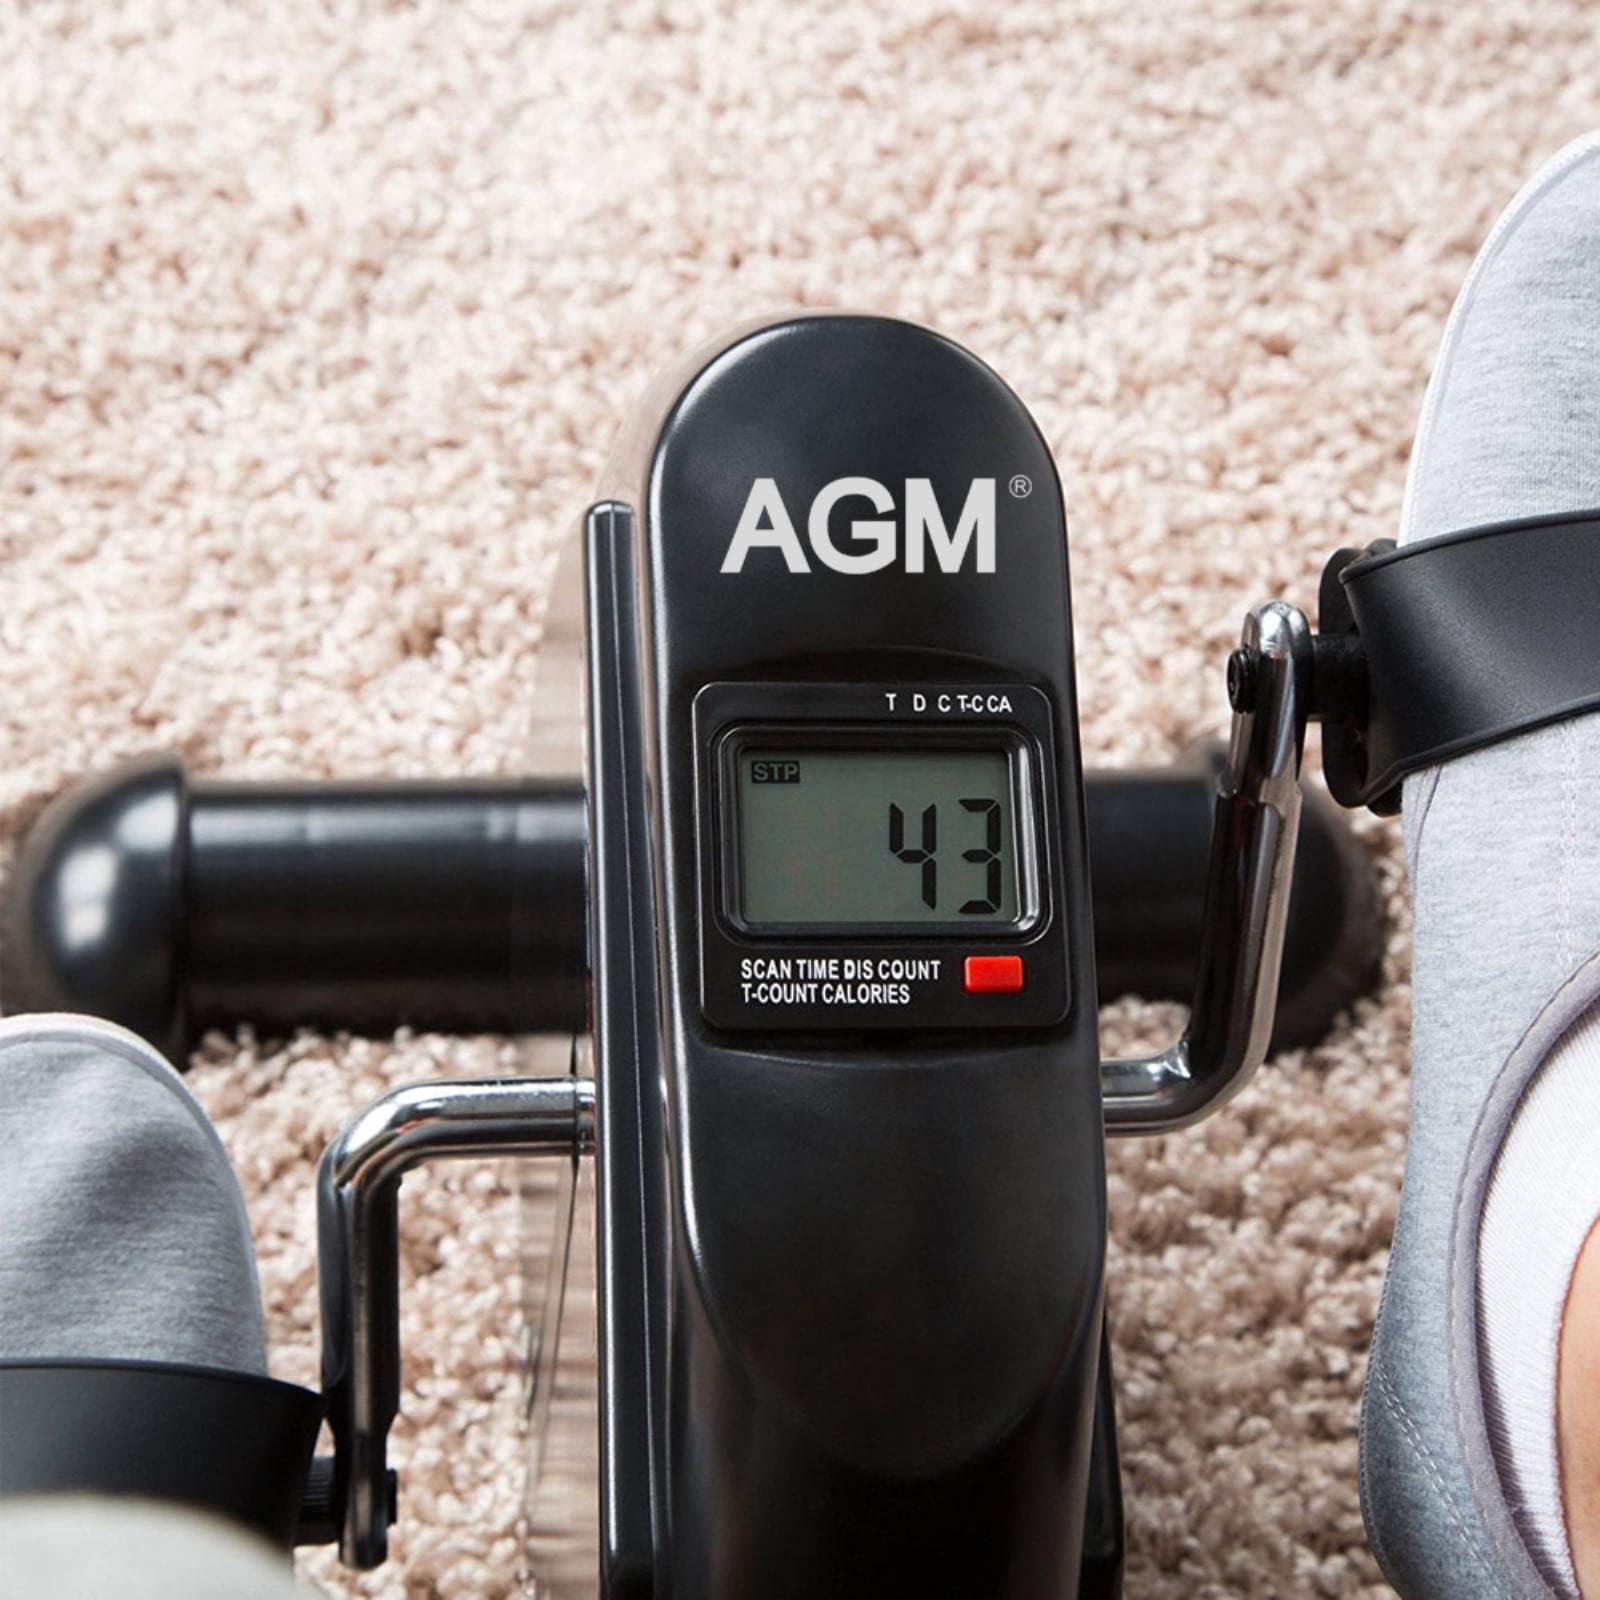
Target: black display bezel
(1001,739)
(1015,719)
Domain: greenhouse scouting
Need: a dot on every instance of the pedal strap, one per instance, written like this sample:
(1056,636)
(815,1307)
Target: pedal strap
(229,1442)
(1468,639)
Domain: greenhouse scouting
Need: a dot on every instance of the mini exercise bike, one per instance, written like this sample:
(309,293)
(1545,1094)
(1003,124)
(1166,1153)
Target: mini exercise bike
(821,905)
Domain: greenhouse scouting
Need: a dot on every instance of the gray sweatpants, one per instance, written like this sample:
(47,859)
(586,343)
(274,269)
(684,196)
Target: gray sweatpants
(124,1237)
(1505,879)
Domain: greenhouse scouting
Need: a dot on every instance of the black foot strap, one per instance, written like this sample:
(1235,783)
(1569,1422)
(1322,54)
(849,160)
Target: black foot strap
(224,1441)
(1467,639)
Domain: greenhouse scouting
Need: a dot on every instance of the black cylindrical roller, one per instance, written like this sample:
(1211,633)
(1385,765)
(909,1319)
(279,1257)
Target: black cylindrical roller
(173,907)
(451,906)
(94,910)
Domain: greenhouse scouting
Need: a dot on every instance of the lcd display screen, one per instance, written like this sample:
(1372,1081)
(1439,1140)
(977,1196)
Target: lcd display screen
(857,837)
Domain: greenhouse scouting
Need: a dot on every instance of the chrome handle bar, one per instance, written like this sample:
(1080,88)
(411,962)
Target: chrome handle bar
(1247,891)
(358,1187)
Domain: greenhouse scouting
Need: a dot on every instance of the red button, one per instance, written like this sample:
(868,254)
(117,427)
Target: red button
(993,974)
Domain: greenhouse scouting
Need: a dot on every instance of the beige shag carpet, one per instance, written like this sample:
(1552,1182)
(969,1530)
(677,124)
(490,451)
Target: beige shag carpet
(316,320)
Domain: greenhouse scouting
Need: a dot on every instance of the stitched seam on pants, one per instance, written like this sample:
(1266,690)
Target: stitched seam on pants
(1369,1511)
(1425,1456)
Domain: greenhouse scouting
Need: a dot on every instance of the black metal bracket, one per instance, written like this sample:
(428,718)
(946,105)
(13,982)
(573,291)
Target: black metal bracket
(1338,691)
(1341,696)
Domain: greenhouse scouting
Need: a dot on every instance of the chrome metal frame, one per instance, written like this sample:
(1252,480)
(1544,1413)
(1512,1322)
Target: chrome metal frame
(1247,892)
(358,1186)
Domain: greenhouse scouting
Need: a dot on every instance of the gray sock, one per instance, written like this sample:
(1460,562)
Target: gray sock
(125,1235)
(1505,875)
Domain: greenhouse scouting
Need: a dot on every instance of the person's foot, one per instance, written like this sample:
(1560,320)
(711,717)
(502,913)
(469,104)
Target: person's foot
(125,1234)
(1461,1474)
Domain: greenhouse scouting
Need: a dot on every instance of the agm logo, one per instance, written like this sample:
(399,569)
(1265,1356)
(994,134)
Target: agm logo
(871,543)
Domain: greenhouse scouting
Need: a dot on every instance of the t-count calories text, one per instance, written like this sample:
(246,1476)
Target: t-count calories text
(834,980)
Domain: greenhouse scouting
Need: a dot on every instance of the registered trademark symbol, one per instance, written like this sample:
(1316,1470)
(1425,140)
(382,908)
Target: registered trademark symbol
(1022,486)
